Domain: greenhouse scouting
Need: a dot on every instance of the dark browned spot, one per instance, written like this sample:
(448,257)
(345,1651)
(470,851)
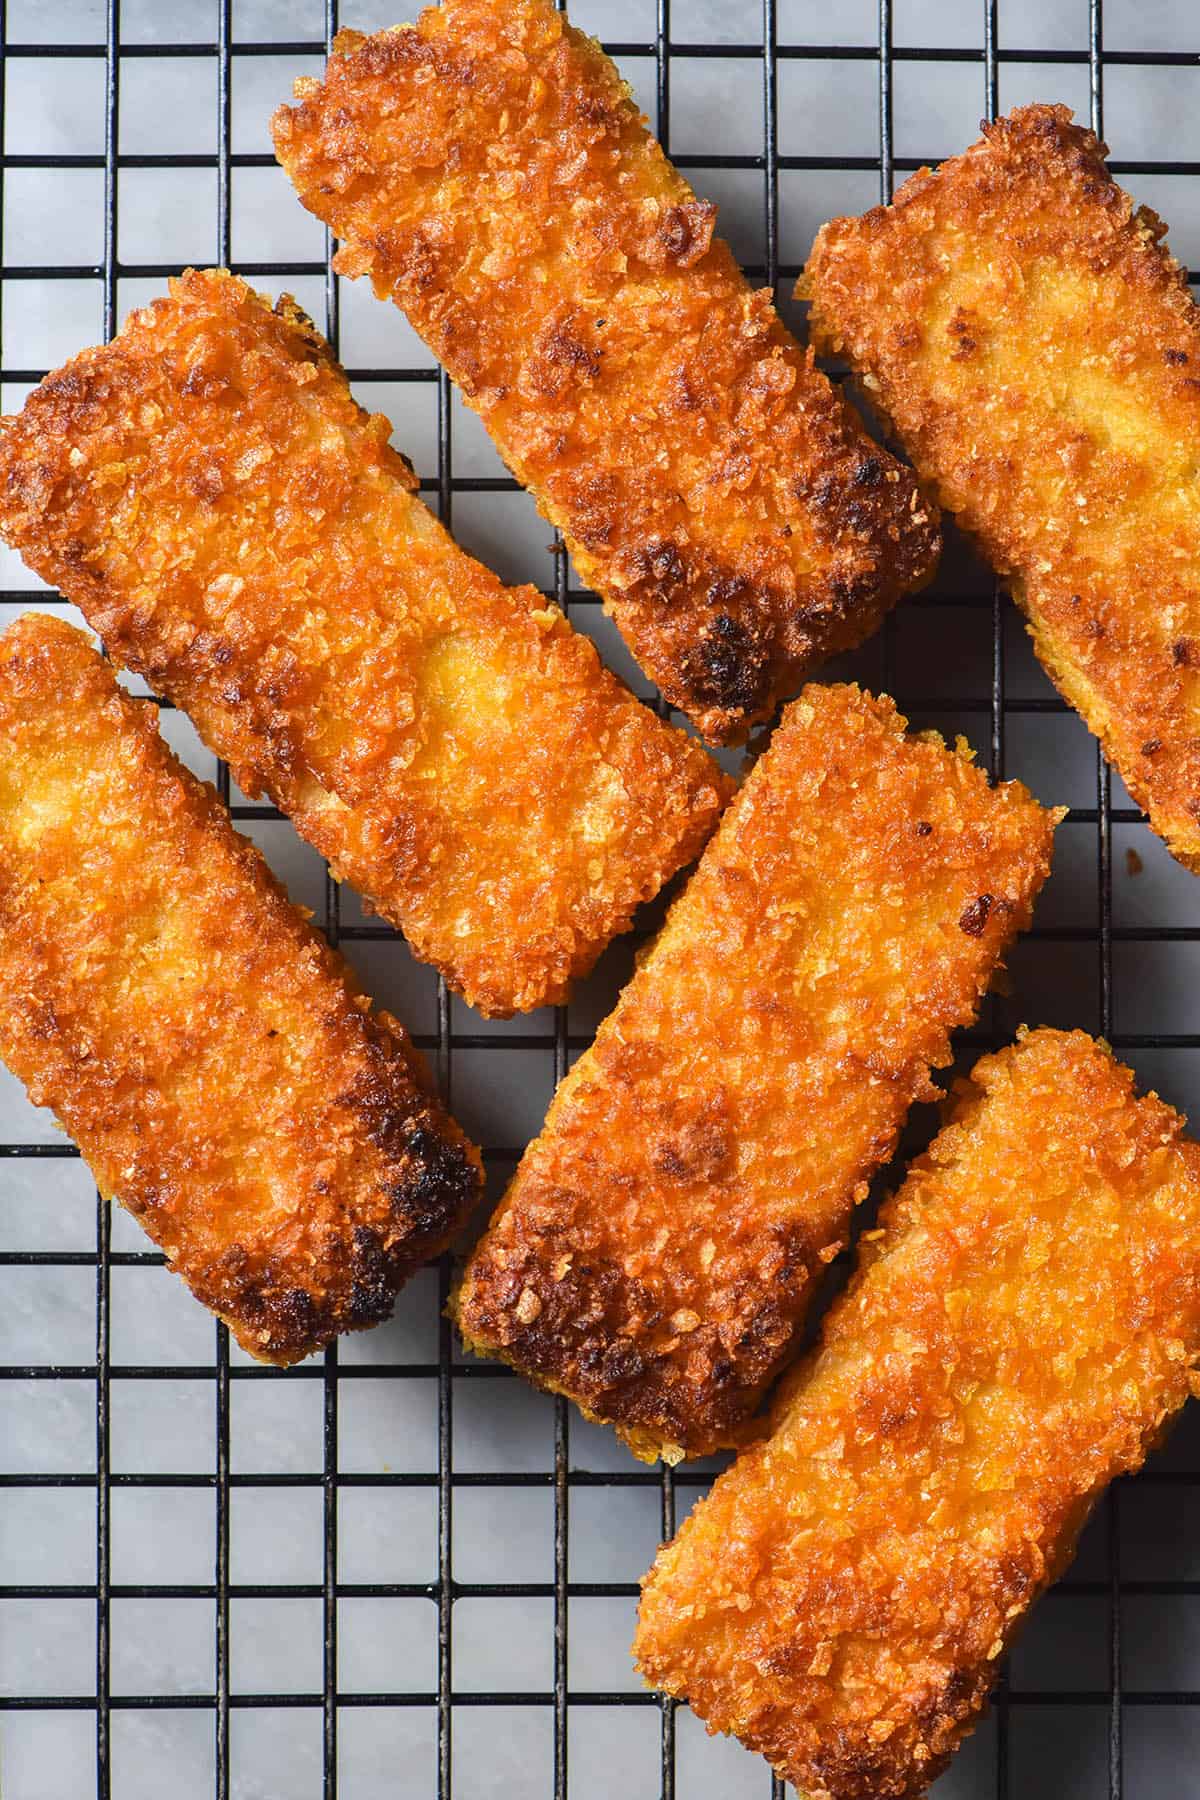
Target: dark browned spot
(923,828)
(762,1337)
(286,307)
(699,1152)
(664,565)
(685,232)
(859,516)
(287,1322)
(561,360)
(975,916)
(591,1332)
(595,503)
(960,328)
(594,110)
(1015,1579)
(614,1365)
(1183,653)
(42,1022)
(894,1417)
(373,1281)
(1176,357)
(1152,746)
(671,1163)
(75,385)
(390,50)
(416,261)
(853,1769)
(293,1316)
(852,590)
(728,668)
(727,591)
(869,474)
(960,1685)
(438,1184)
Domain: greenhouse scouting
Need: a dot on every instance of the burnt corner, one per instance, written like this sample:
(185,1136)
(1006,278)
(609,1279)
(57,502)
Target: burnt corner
(729,667)
(440,1180)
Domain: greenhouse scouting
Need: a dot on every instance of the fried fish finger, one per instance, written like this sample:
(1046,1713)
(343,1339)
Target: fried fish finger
(240,533)
(1022,1328)
(489,169)
(1036,347)
(211,1056)
(661,1240)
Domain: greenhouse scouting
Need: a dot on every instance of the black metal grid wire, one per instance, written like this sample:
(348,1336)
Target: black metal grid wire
(992,710)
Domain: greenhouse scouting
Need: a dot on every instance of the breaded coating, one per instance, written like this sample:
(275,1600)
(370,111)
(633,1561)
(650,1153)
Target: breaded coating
(214,1060)
(1022,1327)
(1038,351)
(239,532)
(659,1245)
(489,169)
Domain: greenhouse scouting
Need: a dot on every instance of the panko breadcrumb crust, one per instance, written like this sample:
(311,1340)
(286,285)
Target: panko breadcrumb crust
(660,1242)
(489,169)
(1038,351)
(211,1056)
(239,532)
(1021,1329)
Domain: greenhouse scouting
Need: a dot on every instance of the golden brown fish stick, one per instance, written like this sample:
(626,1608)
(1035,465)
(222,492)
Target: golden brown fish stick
(1039,353)
(661,1240)
(1022,1327)
(211,1056)
(490,171)
(238,531)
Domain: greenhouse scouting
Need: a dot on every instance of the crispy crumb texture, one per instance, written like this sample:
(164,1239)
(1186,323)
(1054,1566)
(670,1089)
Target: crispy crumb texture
(1036,347)
(211,1056)
(1021,1329)
(239,532)
(660,1242)
(488,168)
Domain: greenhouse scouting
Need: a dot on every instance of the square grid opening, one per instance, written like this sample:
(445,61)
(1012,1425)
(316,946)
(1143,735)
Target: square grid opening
(395,1569)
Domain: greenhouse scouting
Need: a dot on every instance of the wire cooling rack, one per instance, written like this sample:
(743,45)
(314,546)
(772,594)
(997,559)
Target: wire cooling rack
(393,1571)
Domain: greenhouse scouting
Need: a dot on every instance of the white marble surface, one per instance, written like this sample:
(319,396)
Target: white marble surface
(165,1536)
